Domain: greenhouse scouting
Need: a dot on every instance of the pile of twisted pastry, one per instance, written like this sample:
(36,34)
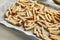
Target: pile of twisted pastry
(32,16)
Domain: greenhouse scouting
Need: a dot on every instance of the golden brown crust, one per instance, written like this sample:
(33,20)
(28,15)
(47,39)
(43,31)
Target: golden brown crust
(57,1)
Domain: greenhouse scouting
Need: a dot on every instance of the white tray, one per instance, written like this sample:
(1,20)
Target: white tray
(4,5)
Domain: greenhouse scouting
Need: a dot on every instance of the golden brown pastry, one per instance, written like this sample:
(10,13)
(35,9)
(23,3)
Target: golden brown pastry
(57,1)
(33,16)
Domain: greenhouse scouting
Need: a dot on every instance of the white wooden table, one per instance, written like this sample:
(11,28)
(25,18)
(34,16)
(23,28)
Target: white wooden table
(9,34)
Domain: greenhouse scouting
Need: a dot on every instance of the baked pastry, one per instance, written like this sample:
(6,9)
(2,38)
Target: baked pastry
(57,1)
(34,16)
